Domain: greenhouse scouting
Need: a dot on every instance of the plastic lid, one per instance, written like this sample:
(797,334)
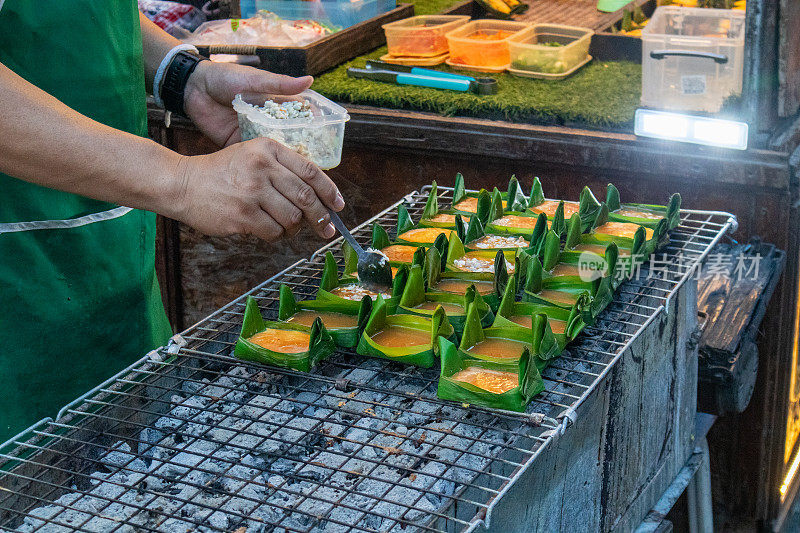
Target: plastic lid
(324,110)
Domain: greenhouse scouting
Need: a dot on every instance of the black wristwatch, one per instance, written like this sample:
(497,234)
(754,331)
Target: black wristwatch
(175,78)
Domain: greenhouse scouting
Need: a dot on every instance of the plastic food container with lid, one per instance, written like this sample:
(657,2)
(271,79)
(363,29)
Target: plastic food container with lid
(550,48)
(421,36)
(318,137)
(483,44)
(692,58)
(341,13)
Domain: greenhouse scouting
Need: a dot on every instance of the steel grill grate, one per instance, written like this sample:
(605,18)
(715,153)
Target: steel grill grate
(189,439)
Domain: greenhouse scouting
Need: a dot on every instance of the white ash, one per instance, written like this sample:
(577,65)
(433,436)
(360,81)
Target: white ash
(243,452)
(318,142)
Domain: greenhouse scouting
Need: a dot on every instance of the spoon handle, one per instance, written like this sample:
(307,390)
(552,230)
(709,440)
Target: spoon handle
(339,225)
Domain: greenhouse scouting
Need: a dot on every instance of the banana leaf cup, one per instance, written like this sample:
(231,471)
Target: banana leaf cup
(529,381)
(408,233)
(432,217)
(566,293)
(489,285)
(524,224)
(538,204)
(402,252)
(477,239)
(351,261)
(565,324)
(623,234)
(320,343)
(505,344)
(475,264)
(408,339)
(583,248)
(330,310)
(416,301)
(513,196)
(643,214)
(347,292)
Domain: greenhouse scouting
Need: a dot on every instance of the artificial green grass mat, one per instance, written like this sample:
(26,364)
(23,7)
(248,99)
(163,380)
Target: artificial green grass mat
(599,95)
(429,7)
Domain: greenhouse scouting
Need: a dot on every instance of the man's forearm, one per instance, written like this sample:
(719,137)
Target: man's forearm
(155,45)
(45,142)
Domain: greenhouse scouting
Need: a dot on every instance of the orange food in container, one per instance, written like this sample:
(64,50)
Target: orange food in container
(421,36)
(483,43)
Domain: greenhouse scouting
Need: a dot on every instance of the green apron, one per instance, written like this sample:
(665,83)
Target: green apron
(77,304)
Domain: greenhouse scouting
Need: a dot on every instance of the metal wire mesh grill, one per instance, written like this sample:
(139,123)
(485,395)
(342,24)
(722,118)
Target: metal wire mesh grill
(190,439)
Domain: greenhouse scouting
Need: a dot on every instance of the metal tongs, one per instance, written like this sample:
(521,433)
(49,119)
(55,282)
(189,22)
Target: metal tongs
(423,77)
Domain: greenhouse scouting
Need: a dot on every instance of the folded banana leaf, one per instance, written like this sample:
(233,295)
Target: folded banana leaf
(475,264)
(529,380)
(320,345)
(538,204)
(516,201)
(643,214)
(582,247)
(565,324)
(554,291)
(408,339)
(347,292)
(524,224)
(432,217)
(503,344)
(407,233)
(489,286)
(624,233)
(401,253)
(416,301)
(345,336)
(513,192)
(351,261)
(477,239)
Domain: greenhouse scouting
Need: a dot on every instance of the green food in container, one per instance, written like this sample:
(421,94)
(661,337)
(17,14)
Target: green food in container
(529,379)
(455,305)
(381,240)
(406,349)
(571,318)
(584,247)
(671,212)
(331,283)
(652,237)
(539,339)
(321,344)
(346,337)
(565,293)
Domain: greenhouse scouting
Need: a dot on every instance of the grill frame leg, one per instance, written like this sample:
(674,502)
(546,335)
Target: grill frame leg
(701,516)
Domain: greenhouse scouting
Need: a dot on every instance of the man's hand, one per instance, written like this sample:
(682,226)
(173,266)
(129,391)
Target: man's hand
(212,86)
(258,187)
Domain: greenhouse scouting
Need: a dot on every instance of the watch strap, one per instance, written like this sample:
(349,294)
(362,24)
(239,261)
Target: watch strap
(176,76)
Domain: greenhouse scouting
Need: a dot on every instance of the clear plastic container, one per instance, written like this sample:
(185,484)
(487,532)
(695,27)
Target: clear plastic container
(549,48)
(421,36)
(340,13)
(692,58)
(319,138)
(483,43)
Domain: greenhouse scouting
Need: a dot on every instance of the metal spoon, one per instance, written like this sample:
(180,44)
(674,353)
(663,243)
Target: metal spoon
(373,266)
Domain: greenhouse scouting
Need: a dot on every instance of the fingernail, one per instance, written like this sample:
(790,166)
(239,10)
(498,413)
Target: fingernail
(338,203)
(329,231)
